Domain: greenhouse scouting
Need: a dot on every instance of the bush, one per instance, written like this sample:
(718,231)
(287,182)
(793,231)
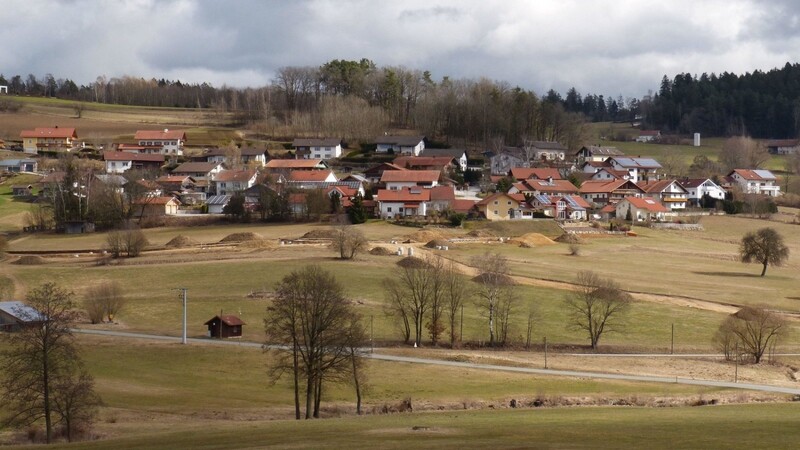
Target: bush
(574,250)
(456,219)
(130,241)
(104,301)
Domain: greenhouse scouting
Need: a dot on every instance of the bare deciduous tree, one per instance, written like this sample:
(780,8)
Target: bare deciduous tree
(494,285)
(104,301)
(742,152)
(596,306)
(456,293)
(398,307)
(752,330)
(413,291)
(348,240)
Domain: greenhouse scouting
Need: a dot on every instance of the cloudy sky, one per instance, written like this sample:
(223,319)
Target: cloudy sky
(602,47)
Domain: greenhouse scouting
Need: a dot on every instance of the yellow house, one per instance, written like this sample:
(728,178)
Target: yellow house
(501,206)
(47,139)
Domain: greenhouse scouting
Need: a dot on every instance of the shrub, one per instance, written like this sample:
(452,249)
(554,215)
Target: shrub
(130,241)
(104,301)
(457,219)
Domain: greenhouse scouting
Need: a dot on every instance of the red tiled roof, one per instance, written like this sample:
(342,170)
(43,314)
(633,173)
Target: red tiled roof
(545,187)
(404,195)
(646,203)
(443,193)
(519,198)
(127,156)
(599,186)
(462,205)
(166,134)
(541,173)
(417,176)
(309,175)
(754,175)
(196,167)
(56,132)
(293,163)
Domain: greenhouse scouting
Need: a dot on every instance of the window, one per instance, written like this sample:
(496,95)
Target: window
(389,209)
(495,212)
(496,203)
(509,202)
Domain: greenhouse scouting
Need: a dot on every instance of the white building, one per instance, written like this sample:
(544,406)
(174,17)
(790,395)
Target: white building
(755,181)
(317,148)
(400,145)
(696,188)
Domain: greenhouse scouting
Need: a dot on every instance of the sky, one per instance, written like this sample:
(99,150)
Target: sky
(619,47)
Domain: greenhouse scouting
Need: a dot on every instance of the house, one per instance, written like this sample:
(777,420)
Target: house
(19,165)
(669,192)
(548,187)
(253,156)
(312,176)
(697,188)
(165,142)
(536,173)
(327,148)
(639,169)
(502,206)
(608,174)
(113,181)
(119,162)
(547,151)
(152,206)
(217,203)
(755,181)
(597,153)
(604,192)
(22,190)
(200,171)
(442,198)
(403,202)
(398,179)
(48,139)
(225,326)
(783,146)
(15,316)
(228,182)
(346,188)
(648,136)
(563,207)
(640,209)
(374,173)
(503,161)
(400,145)
(282,167)
(440,163)
(176,183)
(459,155)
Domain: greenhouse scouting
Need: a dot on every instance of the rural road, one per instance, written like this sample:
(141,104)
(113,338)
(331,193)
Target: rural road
(494,367)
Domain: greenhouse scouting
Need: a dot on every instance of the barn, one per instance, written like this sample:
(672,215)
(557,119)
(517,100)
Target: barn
(225,326)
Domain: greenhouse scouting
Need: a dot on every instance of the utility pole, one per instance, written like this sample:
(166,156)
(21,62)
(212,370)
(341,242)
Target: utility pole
(461,323)
(545,352)
(672,346)
(371,329)
(183,296)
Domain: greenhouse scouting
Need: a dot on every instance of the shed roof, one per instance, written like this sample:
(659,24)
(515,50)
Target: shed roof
(21,311)
(228,319)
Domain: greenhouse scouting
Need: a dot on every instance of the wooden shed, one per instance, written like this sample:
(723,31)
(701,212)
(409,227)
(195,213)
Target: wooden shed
(225,326)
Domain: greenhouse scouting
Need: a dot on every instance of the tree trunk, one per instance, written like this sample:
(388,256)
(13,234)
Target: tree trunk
(491,325)
(317,397)
(46,384)
(357,384)
(310,394)
(296,368)
(764,270)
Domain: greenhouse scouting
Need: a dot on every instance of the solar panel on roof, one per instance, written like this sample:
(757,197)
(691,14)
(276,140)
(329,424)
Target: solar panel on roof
(764,173)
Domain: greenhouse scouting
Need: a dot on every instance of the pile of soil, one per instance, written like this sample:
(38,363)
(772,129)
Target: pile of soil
(241,237)
(438,243)
(503,280)
(181,241)
(532,240)
(481,233)
(425,235)
(569,238)
(320,234)
(29,260)
(259,243)
(412,263)
(381,251)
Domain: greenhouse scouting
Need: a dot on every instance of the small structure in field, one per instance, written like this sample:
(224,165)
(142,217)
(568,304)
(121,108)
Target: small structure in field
(225,326)
(15,316)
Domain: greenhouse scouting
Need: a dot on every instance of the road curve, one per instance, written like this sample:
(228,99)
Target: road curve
(467,365)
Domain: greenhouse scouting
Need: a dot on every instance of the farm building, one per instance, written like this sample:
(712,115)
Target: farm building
(17,315)
(225,326)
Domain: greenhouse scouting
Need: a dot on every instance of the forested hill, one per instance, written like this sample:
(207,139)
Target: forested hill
(759,104)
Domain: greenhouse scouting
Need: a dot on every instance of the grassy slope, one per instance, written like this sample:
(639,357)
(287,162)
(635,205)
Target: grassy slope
(12,210)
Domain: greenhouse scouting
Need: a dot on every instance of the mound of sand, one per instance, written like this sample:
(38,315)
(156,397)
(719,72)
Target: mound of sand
(438,243)
(29,260)
(426,235)
(181,241)
(481,234)
(241,237)
(320,234)
(503,280)
(532,240)
(412,262)
(260,243)
(381,251)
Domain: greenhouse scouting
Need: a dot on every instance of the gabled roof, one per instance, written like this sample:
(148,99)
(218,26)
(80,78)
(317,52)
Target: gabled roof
(112,179)
(636,163)
(174,179)
(218,200)
(295,164)
(783,143)
(596,150)
(443,193)
(649,133)
(416,176)
(455,153)
(309,175)
(648,204)
(350,185)
(653,187)
(16,162)
(228,319)
(694,182)
(754,174)
(601,186)
(547,145)
(156,200)
(384,166)
(235,176)
(196,167)
(128,156)
(406,141)
(165,134)
(422,161)
(21,312)
(252,151)
(462,205)
(525,173)
(554,186)
(324,142)
(519,198)
(618,174)
(415,194)
(56,132)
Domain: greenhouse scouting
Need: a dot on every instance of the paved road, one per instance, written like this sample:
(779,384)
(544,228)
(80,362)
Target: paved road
(494,367)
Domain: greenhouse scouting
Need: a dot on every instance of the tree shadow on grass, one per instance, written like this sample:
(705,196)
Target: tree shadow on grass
(730,274)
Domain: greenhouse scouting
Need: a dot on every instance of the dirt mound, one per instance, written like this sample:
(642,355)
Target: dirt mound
(569,238)
(481,234)
(181,241)
(241,237)
(320,234)
(530,240)
(412,262)
(438,243)
(381,251)
(260,243)
(29,260)
(500,279)
(426,235)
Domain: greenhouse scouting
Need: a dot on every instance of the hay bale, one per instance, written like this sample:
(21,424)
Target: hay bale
(381,251)
(413,263)
(531,240)
(181,241)
(241,237)
(438,243)
(320,234)
(29,260)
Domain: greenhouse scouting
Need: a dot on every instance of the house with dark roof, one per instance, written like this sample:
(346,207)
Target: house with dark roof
(547,150)
(229,182)
(48,139)
(225,326)
(459,155)
(400,145)
(15,316)
(374,173)
(19,165)
(783,146)
(399,179)
(200,171)
(165,142)
(506,159)
(697,188)
(326,148)
(596,153)
(120,162)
